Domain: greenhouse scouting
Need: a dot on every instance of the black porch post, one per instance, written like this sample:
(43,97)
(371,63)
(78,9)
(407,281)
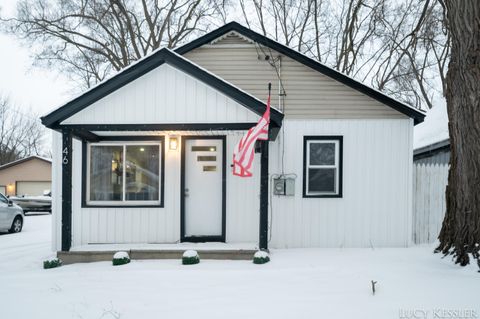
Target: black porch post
(263,242)
(66,189)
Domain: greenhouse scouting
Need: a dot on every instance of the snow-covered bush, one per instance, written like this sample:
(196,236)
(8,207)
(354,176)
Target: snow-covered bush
(52,263)
(120,258)
(261,257)
(190,257)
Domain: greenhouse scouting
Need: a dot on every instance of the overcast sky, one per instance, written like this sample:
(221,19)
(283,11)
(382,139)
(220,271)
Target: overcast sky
(30,88)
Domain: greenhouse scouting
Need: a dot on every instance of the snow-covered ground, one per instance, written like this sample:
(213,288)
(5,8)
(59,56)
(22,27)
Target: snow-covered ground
(297,283)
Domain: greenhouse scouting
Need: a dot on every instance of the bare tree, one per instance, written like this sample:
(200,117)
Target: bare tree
(287,21)
(460,233)
(90,39)
(399,47)
(21,135)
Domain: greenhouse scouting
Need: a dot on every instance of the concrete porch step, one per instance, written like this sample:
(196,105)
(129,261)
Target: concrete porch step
(72,257)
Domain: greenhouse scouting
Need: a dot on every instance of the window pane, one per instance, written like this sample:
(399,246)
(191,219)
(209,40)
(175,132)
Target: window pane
(106,173)
(206,158)
(322,153)
(204,148)
(321,180)
(142,172)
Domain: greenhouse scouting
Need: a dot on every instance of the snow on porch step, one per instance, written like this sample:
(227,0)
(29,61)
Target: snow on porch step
(72,257)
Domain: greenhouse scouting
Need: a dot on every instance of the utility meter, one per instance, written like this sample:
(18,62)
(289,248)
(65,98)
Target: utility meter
(284,186)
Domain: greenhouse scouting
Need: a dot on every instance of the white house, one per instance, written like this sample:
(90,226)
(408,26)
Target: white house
(145,156)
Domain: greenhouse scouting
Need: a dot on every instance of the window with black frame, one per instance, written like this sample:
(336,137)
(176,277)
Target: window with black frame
(124,174)
(322,175)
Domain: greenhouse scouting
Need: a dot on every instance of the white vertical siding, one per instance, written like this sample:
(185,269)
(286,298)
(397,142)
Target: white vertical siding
(430,181)
(164,95)
(376,208)
(243,200)
(153,225)
(376,205)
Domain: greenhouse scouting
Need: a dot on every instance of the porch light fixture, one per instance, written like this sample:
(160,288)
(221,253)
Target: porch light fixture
(173,143)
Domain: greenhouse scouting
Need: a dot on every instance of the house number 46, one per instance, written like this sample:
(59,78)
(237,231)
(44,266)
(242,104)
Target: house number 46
(65,154)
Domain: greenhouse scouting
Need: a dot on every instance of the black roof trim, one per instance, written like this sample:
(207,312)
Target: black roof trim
(417,115)
(53,119)
(23,160)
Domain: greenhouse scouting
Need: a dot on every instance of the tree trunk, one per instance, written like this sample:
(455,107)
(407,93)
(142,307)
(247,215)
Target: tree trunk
(460,234)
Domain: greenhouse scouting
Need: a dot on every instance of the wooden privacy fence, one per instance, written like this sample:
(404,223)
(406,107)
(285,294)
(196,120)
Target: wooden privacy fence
(429,182)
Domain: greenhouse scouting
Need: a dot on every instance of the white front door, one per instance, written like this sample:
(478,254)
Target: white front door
(203,189)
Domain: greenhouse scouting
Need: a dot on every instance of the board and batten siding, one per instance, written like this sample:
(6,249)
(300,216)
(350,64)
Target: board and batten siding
(164,95)
(376,207)
(309,94)
(95,225)
(375,210)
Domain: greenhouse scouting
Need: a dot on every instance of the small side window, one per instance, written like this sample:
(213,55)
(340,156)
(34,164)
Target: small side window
(322,171)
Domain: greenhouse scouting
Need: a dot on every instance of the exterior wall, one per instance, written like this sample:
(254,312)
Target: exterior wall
(309,93)
(32,170)
(375,211)
(376,207)
(164,95)
(154,225)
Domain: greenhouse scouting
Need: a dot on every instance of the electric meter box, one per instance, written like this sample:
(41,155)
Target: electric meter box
(284,186)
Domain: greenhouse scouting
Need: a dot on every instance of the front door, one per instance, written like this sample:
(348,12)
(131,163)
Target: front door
(203,188)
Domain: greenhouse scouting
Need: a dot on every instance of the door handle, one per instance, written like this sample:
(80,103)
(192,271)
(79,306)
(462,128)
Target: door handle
(185,193)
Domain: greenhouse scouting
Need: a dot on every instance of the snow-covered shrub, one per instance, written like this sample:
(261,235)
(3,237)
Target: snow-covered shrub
(261,257)
(52,263)
(190,257)
(120,258)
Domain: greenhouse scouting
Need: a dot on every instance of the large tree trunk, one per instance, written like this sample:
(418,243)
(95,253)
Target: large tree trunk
(460,234)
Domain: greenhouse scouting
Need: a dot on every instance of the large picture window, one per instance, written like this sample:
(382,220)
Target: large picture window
(126,174)
(322,161)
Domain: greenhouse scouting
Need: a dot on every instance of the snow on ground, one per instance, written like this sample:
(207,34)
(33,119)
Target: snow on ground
(297,283)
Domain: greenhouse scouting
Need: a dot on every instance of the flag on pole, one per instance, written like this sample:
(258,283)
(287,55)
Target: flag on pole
(244,152)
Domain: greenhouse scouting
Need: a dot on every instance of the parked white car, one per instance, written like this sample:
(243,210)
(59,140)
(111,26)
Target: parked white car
(11,216)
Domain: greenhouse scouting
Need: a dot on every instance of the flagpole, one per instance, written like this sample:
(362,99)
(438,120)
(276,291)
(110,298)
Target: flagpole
(263,240)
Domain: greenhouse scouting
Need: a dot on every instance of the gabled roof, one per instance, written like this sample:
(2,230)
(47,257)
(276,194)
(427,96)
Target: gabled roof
(148,63)
(26,159)
(417,115)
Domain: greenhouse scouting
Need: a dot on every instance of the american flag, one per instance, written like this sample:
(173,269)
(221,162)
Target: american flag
(244,152)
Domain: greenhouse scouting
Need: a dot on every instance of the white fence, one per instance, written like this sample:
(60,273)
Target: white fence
(429,182)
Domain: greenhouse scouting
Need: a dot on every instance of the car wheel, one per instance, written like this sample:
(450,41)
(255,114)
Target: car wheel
(16,225)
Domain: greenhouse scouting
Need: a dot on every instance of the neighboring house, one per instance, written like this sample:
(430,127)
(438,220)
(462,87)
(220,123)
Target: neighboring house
(145,156)
(27,176)
(429,183)
(435,153)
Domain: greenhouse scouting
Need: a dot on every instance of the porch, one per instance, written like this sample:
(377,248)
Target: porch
(105,252)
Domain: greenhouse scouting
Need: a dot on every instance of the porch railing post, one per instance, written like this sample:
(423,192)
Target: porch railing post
(263,241)
(66,189)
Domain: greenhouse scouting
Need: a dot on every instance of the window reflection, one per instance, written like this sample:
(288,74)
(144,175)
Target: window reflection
(142,173)
(106,173)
